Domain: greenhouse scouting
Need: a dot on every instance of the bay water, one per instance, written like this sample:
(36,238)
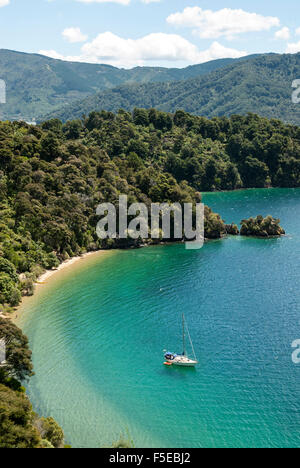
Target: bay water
(99,330)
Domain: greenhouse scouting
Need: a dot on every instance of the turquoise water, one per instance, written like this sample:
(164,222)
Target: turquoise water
(98,334)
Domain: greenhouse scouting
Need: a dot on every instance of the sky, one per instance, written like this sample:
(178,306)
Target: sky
(128,33)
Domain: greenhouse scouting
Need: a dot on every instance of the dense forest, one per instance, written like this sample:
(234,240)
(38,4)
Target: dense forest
(53,176)
(261,85)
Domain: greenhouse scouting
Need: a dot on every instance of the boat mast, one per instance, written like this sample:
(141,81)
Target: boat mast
(188,332)
(183,335)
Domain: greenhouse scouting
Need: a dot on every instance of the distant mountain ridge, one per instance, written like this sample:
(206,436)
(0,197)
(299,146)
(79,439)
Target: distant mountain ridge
(261,84)
(38,85)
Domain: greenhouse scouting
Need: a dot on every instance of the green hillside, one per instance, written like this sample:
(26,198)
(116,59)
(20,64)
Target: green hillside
(261,85)
(37,85)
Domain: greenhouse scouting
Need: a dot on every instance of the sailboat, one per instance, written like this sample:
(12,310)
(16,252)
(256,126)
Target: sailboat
(182,359)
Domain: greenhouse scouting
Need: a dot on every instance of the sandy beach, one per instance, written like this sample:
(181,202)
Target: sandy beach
(45,277)
(48,273)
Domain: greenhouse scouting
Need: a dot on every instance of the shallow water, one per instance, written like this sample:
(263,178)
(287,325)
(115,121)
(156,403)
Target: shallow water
(98,334)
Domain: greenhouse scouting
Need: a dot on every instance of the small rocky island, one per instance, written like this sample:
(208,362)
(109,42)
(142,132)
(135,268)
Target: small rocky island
(261,227)
(257,227)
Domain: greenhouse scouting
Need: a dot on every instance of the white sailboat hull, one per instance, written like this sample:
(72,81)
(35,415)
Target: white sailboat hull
(183,361)
(185,364)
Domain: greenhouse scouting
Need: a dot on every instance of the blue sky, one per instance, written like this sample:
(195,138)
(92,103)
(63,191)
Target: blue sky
(149,32)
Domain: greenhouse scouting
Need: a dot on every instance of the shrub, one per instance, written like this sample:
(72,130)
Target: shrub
(52,432)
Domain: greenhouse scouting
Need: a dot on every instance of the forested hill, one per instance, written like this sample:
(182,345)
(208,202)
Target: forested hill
(261,85)
(53,176)
(37,84)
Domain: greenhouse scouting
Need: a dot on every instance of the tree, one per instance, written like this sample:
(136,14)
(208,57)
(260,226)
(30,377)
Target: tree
(214,226)
(160,120)
(93,121)
(50,147)
(138,147)
(235,147)
(72,130)
(140,117)
(180,118)
(232,177)
(7,267)
(52,432)
(15,297)
(254,173)
(53,125)
(7,287)
(210,175)
(16,421)
(134,161)
(18,354)
(6,157)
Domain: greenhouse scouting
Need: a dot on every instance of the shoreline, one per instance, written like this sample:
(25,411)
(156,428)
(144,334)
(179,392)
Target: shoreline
(42,280)
(48,273)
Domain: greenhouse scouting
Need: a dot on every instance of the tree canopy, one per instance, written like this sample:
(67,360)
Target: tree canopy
(18,354)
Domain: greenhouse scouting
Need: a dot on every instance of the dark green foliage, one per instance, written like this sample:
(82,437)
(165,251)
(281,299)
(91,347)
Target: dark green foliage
(16,421)
(6,287)
(232,229)
(8,268)
(254,172)
(18,354)
(213,225)
(261,227)
(20,427)
(52,432)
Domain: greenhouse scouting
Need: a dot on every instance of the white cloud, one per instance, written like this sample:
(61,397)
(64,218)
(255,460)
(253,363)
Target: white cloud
(283,33)
(4,3)
(110,48)
(158,47)
(217,51)
(74,35)
(293,48)
(56,55)
(298,31)
(226,22)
